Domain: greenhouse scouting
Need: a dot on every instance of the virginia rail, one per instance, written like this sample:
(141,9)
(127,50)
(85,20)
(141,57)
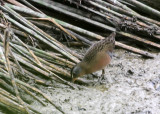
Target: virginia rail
(96,58)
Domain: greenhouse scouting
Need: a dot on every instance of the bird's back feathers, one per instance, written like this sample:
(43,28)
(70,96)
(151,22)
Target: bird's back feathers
(105,45)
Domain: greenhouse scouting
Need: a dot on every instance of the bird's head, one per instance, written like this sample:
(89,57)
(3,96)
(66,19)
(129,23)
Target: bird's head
(76,72)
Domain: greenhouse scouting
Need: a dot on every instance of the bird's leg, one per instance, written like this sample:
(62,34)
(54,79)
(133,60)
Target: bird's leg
(94,75)
(103,73)
(102,77)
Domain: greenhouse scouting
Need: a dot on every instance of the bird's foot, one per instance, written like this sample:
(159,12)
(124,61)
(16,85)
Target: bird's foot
(101,80)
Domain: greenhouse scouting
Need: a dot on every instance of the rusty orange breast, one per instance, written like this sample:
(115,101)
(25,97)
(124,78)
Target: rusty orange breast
(100,61)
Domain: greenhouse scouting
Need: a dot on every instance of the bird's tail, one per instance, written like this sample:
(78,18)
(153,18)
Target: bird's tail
(111,37)
(110,42)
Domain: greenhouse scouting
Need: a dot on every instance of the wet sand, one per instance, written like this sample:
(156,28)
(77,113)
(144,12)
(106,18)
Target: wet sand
(134,88)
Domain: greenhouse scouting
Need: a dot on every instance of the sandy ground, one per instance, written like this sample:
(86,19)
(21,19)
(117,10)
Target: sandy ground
(134,89)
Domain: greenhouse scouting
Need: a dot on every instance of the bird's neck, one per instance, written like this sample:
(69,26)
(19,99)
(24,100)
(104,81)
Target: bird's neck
(83,67)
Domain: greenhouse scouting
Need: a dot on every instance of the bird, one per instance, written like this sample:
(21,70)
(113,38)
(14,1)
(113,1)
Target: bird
(97,57)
